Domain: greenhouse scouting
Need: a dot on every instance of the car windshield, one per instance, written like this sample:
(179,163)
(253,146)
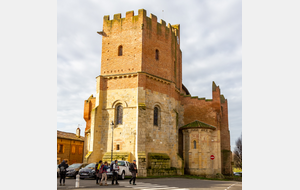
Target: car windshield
(91,165)
(75,166)
(121,163)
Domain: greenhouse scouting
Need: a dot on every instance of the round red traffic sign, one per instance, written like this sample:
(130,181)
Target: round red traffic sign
(212,157)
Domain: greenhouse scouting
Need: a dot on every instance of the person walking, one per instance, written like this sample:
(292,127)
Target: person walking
(97,168)
(133,170)
(63,170)
(104,173)
(115,173)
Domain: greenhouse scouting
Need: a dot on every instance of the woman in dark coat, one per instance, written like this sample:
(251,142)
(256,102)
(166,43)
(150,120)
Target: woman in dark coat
(63,170)
(133,170)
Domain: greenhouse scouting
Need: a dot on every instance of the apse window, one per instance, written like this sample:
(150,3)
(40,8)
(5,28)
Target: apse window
(120,51)
(156,54)
(195,145)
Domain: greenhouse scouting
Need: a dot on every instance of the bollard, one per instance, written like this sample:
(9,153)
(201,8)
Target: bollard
(77,181)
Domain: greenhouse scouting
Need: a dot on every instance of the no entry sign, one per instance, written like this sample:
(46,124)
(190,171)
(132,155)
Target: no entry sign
(212,157)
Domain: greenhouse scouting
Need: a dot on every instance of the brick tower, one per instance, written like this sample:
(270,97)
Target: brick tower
(140,91)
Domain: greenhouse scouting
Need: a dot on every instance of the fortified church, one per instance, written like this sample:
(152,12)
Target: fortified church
(140,98)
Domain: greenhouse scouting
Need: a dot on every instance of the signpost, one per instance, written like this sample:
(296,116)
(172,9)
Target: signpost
(212,157)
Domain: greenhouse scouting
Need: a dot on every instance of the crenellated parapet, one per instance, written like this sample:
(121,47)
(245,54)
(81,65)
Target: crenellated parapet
(144,23)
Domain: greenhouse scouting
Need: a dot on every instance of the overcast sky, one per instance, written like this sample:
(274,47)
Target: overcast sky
(211,45)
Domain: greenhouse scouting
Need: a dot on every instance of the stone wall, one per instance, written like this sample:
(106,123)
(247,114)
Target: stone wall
(124,134)
(164,137)
(197,159)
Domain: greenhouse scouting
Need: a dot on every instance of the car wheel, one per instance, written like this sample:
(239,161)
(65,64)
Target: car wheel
(123,175)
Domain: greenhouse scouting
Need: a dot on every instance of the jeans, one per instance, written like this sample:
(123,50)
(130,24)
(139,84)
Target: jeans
(104,176)
(98,177)
(133,176)
(115,177)
(62,177)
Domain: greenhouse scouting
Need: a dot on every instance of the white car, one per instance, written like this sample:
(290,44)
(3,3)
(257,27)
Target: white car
(237,173)
(123,169)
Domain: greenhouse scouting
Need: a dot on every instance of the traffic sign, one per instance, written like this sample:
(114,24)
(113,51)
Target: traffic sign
(212,157)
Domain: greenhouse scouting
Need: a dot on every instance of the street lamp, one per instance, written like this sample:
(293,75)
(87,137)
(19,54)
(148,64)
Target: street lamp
(112,140)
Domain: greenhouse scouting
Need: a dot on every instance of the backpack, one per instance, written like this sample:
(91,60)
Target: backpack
(62,169)
(101,169)
(96,166)
(111,167)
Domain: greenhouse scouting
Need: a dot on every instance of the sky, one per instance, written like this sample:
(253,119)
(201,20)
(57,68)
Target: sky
(211,45)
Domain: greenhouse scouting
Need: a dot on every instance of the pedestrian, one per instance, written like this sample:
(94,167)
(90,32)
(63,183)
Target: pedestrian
(115,172)
(133,170)
(63,170)
(104,173)
(97,168)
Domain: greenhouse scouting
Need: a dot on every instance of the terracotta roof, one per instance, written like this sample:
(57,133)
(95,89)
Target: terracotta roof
(66,135)
(198,124)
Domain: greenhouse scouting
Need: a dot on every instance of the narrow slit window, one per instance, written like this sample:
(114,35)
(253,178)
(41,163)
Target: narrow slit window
(118,147)
(156,54)
(155,122)
(120,52)
(119,114)
(195,145)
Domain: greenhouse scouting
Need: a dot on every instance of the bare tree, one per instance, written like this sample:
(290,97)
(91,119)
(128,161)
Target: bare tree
(238,153)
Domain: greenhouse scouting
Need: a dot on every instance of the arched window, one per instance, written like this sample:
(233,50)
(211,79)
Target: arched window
(120,51)
(156,54)
(195,145)
(155,116)
(119,114)
(118,147)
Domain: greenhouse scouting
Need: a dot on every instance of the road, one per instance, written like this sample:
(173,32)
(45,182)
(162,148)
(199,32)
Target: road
(156,184)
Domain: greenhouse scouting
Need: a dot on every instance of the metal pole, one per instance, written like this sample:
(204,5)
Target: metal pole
(112,140)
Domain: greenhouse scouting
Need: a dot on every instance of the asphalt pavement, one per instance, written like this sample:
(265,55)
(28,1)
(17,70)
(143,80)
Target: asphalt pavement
(155,184)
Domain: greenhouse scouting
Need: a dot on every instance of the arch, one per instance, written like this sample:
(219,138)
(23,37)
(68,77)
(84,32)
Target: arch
(157,54)
(120,50)
(159,105)
(119,102)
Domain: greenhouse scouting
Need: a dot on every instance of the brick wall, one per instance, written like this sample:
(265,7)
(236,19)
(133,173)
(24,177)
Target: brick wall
(76,157)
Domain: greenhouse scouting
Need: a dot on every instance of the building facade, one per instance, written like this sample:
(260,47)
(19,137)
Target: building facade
(70,147)
(140,91)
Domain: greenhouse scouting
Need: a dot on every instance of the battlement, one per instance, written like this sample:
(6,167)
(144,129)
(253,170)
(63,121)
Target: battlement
(195,97)
(150,23)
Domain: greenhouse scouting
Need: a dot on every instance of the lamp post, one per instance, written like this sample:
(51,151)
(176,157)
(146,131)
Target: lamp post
(112,140)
